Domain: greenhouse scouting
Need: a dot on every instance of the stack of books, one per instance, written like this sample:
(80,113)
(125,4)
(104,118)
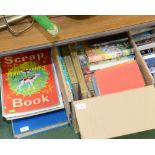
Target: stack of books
(145,40)
(103,54)
(101,66)
(30,91)
(39,123)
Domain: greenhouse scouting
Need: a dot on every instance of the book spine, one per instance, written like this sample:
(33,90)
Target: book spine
(88,79)
(83,59)
(146,46)
(83,87)
(108,52)
(71,72)
(108,63)
(95,86)
(67,78)
(108,56)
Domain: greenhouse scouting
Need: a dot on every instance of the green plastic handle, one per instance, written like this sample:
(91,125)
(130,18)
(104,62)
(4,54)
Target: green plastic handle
(47,24)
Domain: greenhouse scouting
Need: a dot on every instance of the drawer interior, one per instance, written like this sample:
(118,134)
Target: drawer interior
(138,58)
(83,119)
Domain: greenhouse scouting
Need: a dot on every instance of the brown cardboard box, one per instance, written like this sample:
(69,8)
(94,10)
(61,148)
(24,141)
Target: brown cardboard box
(117,114)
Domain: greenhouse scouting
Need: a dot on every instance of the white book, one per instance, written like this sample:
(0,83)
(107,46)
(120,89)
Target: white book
(109,63)
(146,46)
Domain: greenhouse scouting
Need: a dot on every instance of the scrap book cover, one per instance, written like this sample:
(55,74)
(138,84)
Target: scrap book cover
(28,82)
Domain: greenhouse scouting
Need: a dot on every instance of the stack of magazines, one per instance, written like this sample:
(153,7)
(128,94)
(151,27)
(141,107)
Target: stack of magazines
(103,53)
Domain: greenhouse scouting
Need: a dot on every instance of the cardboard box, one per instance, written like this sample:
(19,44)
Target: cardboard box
(116,114)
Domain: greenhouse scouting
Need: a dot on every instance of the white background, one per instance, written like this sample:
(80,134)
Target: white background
(60,7)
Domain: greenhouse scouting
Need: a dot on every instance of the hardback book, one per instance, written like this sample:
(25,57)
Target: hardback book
(89,82)
(66,76)
(108,63)
(29,85)
(84,66)
(118,78)
(107,52)
(82,84)
(82,58)
(150,61)
(71,72)
(35,124)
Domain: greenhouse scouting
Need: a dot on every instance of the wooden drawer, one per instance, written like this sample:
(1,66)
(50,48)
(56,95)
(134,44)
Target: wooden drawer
(117,114)
(104,116)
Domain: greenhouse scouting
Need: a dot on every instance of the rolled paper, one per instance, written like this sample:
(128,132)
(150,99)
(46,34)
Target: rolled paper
(47,24)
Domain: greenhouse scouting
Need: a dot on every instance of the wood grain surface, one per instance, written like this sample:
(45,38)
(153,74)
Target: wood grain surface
(71,27)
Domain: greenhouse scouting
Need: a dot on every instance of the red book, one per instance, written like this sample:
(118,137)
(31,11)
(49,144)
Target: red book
(119,78)
(29,84)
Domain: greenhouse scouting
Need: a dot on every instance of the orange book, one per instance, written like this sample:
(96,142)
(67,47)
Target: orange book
(29,84)
(119,78)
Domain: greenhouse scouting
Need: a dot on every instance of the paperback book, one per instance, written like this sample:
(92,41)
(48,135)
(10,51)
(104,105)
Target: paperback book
(35,124)
(150,61)
(108,63)
(146,44)
(85,68)
(29,85)
(83,58)
(108,51)
(144,35)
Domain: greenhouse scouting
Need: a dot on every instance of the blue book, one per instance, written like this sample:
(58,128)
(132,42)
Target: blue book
(150,61)
(39,123)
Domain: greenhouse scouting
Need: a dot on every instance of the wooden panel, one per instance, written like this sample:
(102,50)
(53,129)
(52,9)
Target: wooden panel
(70,28)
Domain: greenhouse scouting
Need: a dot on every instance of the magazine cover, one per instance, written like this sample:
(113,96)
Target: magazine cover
(28,83)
